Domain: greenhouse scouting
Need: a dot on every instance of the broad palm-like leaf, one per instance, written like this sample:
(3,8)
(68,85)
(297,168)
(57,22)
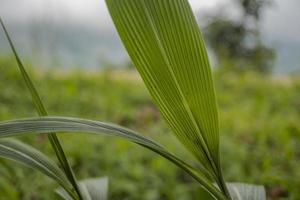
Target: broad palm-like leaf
(63,124)
(165,43)
(27,155)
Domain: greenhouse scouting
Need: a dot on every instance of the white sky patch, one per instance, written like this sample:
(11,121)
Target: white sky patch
(280,24)
(281,21)
(203,4)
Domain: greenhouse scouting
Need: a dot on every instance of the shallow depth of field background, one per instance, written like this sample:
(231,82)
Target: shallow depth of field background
(81,69)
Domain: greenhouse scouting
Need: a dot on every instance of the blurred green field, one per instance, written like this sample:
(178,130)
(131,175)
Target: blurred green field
(260,133)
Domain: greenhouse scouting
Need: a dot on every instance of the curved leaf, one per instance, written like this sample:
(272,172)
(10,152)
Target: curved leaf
(64,124)
(27,155)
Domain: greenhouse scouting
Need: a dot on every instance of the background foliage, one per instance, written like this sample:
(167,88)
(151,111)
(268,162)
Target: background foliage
(237,42)
(259,133)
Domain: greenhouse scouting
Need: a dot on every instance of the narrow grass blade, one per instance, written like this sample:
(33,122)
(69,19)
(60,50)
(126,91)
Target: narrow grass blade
(75,125)
(42,112)
(27,155)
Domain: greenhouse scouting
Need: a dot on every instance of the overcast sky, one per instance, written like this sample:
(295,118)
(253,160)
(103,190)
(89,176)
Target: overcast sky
(280,25)
(282,20)
(81,10)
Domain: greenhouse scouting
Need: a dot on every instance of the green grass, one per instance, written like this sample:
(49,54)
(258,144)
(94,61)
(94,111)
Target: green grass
(259,117)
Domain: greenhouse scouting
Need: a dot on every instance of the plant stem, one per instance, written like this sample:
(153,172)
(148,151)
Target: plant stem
(218,176)
(222,183)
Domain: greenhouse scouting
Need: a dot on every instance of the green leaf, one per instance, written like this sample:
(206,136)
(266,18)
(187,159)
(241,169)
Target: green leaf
(27,155)
(242,191)
(64,124)
(42,112)
(165,43)
(95,189)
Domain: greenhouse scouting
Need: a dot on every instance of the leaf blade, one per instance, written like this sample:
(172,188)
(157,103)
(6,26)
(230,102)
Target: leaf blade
(164,42)
(29,156)
(76,125)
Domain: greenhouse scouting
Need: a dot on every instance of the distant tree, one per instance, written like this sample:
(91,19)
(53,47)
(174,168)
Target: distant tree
(253,8)
(239,41)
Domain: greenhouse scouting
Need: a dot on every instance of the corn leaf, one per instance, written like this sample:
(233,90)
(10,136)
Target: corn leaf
(164,42)
(94,189)
(40,108)
(75,125)
(27,155)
